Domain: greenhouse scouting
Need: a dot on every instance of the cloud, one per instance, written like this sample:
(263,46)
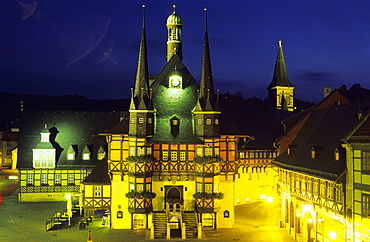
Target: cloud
(316,77)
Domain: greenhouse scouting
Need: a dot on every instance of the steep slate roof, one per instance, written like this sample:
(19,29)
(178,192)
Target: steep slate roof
(280,77)
(168,104)
(323,131)
(99,174)
(68,128)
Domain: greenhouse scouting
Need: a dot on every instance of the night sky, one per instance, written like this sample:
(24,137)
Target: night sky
(90,47)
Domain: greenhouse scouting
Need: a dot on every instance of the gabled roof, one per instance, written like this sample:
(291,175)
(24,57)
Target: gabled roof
(69,128)
(99,174)
(170,103)
(361,131)
(324,128)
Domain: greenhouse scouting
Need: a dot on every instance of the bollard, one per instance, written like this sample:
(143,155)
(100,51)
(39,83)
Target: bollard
(89,237)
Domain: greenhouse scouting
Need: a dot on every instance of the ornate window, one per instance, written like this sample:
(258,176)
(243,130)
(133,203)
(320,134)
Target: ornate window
(57,179)
(165,155)
(174,156)
(71,179)
(366,161)
(182,156)
(97,191)
(44,178)
(366,205)
(30,179)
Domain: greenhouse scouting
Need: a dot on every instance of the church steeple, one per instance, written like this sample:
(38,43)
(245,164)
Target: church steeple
(206,81)
(174,28)
(281,89)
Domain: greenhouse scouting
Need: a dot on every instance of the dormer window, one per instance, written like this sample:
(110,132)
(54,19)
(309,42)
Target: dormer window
(313,153)
(336,154)
(101,153)
(70,156)
(86,153)
(71,152)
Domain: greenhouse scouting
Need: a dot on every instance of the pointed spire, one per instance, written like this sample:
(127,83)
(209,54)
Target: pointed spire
(280,77)
(206,81)
(142,76)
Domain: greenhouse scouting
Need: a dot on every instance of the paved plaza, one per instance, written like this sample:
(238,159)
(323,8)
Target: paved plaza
(257,221)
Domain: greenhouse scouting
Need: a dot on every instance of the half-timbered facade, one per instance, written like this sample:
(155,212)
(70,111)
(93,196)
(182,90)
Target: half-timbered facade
(357,146)
(57,150)
(313,170)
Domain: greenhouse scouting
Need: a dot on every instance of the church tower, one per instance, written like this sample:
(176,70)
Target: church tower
(141,106)
(207,112)
(174,28)
(281,90)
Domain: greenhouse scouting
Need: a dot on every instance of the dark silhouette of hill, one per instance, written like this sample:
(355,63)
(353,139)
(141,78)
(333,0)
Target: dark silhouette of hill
(254,117)
(251,116)
(11,105)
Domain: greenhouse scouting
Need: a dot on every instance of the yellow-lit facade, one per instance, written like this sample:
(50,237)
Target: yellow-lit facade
(358,186)
(171,171)
(312,207)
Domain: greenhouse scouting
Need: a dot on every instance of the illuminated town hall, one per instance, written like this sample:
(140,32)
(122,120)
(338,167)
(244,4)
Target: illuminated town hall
(166,165)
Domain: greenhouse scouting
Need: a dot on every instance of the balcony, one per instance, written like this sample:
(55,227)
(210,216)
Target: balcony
(140,205)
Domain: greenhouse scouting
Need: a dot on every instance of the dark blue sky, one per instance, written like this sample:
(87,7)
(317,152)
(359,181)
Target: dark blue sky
(90,47)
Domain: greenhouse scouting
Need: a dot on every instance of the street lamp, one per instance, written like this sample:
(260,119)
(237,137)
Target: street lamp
(69,207)
(332,235)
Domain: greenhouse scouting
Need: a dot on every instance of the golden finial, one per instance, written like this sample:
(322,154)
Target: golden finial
(143,5)
(205,9)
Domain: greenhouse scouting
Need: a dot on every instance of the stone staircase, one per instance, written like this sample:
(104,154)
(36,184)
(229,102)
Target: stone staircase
(160,225)
(190,220)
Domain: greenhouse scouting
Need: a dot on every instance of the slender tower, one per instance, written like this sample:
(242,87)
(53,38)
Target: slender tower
(174,28)
(281,90)
(141,106)
(207,112)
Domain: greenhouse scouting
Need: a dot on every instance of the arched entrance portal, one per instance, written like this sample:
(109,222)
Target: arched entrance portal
(308,230)
(173,195)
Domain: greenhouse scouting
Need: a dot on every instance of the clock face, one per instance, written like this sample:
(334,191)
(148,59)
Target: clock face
(175,82)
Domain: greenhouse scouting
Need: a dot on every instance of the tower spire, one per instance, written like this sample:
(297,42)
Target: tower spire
(281,89)
(174,28)
(142,76)
(206,81)
(280,77)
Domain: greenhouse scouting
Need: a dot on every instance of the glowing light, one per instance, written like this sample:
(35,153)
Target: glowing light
(270,199)
(68,196)
(237,200)
(298,213)
(13,177)
(262,196)
(332,235)
(247,199)
(309,220)
(306,208)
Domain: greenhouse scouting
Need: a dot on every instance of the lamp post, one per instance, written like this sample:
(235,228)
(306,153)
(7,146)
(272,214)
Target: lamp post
(69,207)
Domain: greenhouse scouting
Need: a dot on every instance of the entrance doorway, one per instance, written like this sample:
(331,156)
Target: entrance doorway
(175,227)
(173,196)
